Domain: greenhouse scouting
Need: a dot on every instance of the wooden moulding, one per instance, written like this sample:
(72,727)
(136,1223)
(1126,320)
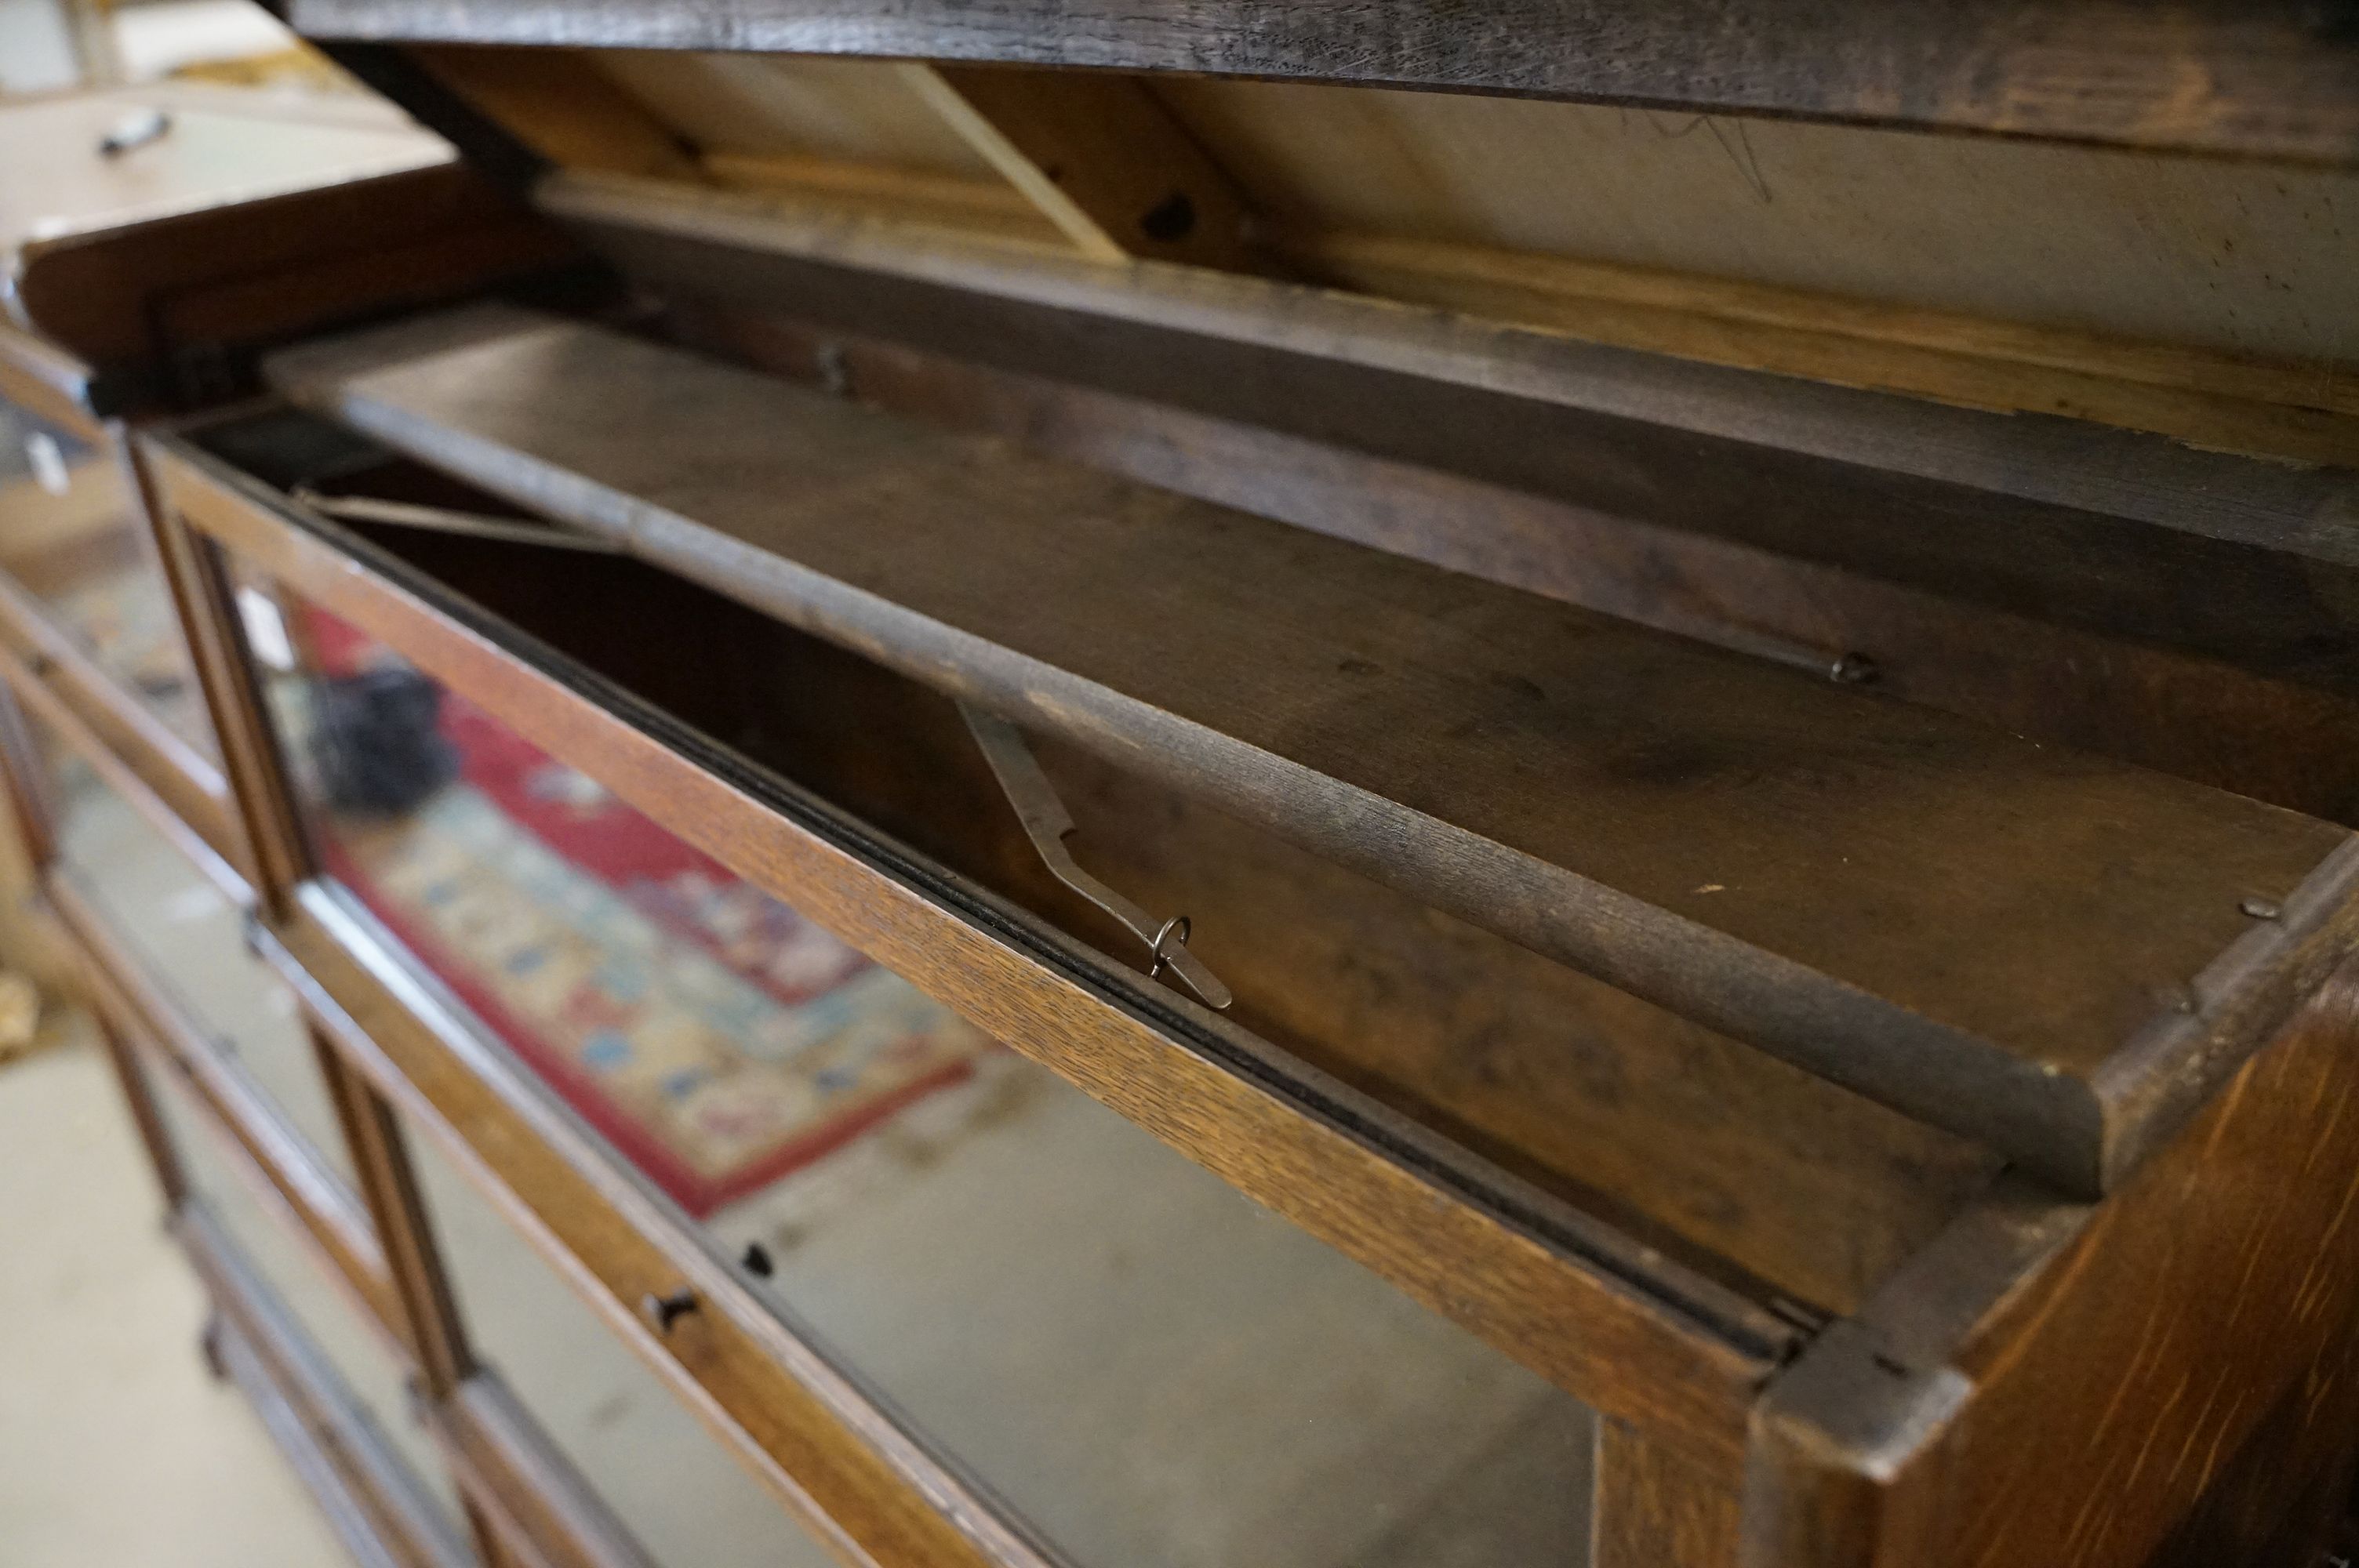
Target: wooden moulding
(2248,561)
(2295,746)
(1725,1157)
(1616,1326)
(272,839)
(805,1429)
(2272,77)
(122,302)
(370,1500)
(295,1180)
(2077,1384)
(1974,930)
(183,778)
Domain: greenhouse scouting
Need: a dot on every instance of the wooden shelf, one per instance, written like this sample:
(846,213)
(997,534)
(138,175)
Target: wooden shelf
(1497,1253)
(2187,547)
(1973,929)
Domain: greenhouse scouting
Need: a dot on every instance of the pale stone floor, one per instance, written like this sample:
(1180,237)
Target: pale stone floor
(118,1448)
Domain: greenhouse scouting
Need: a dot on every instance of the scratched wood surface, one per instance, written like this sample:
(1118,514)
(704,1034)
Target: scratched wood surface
(2171,1363)
(2270,78)
(2055,519)
(1716,1153)
(2201,718)
(1664,1346)
(2110,1394)
(1794,864)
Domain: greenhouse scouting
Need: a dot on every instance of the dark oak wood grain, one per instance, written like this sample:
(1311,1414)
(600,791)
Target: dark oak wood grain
(427,1316)
(2066,1383)
(2291,745)
(1795,865)
(1680,1136)
(2274,77)
(1500,1257)
(2248,562)
(125,301)
(1656,1511)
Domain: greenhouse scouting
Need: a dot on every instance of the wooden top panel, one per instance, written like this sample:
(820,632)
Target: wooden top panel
(2273,76)
(1966,926)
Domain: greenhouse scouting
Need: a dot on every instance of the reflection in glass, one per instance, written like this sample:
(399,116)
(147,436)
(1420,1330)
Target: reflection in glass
(665,1476)
(192,942)
(364,1361)
(1145,1364)
(72,534)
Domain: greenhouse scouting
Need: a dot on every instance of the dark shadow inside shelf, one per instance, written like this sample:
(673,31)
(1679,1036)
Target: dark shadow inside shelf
(1733,1161)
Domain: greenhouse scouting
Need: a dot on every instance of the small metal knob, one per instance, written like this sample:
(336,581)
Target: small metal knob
(662,1311)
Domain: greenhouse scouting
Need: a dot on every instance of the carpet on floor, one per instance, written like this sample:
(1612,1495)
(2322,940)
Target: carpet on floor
(715,1037)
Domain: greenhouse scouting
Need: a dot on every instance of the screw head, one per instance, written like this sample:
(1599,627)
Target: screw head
(663,1311)
(1855,669)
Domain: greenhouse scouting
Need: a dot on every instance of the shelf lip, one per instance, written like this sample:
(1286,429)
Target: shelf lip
(2032,1021)
(2112,531)
(2273,80)
(1148,1053)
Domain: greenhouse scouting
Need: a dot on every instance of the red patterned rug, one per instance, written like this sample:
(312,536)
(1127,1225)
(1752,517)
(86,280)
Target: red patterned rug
(715,1037)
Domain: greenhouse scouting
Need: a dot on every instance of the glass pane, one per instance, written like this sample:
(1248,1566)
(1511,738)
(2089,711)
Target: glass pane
(1150,1367)
(665,1476)
(73,535)
(192,941)
(331,1320)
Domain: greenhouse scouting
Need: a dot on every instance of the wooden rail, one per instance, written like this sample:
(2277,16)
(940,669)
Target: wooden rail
(1974,930)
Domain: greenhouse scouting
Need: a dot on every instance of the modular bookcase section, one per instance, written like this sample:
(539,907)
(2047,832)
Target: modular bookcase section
(2050,954)
(1671,1343)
